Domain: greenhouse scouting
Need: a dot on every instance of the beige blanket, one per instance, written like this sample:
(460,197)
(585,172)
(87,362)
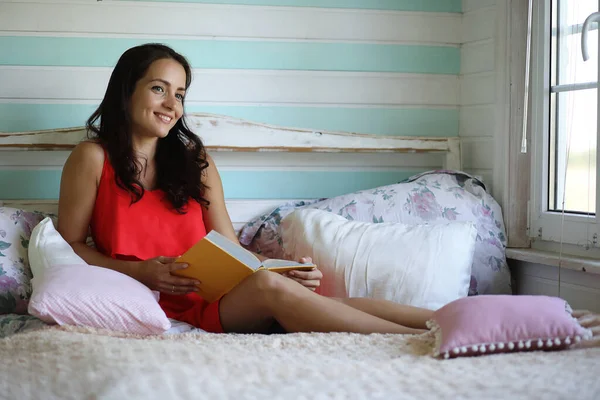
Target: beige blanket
(78,363)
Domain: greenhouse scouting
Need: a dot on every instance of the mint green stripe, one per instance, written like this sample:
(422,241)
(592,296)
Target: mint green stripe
(29,184)
(398,5)
(15,117)
(381,121)
(44,184)
(217,54)
(305,184)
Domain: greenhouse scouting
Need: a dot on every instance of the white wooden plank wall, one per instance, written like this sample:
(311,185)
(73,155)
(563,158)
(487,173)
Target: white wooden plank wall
(246,86)
(580,289)
(483,91)
(223,21)
(33,85)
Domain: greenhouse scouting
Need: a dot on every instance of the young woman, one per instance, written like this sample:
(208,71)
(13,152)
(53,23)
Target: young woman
(148,191)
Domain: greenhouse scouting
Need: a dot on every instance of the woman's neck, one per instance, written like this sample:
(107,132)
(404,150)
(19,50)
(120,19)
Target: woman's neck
(144,148)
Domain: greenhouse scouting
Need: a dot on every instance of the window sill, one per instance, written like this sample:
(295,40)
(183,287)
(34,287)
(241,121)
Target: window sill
(575,263)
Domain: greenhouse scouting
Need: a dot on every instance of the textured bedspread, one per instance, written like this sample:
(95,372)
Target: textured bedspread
(77,363)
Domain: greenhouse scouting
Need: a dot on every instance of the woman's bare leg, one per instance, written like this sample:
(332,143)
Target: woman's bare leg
(413,317)
(266,297)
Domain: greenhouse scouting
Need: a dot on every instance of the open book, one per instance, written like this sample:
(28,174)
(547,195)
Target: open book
(220,264)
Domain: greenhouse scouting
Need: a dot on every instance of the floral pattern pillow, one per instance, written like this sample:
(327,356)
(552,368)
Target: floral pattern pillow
(430,197)
(15,275)
(11,324)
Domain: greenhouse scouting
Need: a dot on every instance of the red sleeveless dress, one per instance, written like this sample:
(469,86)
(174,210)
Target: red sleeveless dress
(150,228)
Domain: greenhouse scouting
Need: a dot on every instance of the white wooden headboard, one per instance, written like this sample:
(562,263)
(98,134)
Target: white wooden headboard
(223,133)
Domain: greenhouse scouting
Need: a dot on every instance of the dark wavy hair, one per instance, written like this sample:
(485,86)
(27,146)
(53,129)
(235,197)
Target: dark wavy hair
(180,156)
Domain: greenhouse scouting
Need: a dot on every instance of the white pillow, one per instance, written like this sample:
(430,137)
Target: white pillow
(47,247)
(426,266)
(68,291)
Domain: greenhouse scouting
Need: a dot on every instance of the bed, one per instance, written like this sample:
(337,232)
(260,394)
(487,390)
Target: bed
(74,362)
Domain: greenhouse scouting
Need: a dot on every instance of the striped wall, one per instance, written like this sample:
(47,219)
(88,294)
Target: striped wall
(483,82)
(388,67)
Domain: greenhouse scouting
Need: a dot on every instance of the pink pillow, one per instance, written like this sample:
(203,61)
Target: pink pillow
(68,291)
(86,295)
(487,324)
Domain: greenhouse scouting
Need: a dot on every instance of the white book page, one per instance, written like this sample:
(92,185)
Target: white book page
(274,263)
(234,249)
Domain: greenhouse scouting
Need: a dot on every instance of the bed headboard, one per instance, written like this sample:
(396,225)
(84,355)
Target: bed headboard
(223,133)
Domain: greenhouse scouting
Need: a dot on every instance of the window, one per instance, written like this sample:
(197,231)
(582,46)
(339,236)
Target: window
(564,124)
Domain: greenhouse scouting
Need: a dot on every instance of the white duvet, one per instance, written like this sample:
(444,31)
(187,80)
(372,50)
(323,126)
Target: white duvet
(76,363)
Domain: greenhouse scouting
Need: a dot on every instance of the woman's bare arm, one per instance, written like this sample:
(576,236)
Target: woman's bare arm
(78,188)
(216,216)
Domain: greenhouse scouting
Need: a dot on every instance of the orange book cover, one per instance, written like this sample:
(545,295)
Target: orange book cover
(220,264)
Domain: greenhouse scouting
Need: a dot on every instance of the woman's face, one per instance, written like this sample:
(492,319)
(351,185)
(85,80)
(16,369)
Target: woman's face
(157,101)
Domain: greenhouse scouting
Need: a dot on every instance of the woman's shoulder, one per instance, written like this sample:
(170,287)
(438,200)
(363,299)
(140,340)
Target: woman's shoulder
(88,155)
(209,159)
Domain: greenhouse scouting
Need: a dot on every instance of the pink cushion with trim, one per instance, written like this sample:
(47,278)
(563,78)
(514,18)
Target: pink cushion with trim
(487,324)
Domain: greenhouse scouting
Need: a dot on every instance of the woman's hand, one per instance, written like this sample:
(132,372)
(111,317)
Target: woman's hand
(309,279)
(156,274)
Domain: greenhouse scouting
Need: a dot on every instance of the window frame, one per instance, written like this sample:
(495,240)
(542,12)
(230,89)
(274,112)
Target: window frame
(550,226)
